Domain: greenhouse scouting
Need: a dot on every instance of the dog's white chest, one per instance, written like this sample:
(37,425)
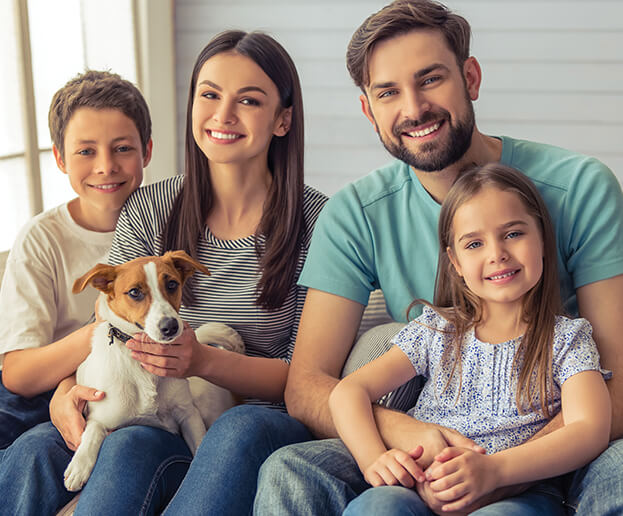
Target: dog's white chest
(131,392)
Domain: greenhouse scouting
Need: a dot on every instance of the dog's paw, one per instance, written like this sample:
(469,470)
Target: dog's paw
(77,473)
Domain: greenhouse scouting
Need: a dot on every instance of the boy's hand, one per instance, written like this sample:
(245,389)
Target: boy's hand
(460,476)
(66,411)
(395,467)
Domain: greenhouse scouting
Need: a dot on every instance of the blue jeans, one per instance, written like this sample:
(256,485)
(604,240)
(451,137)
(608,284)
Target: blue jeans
(315,477)
(222,478)
(321,477)
(545,498)
(137,471)
(18,414)
(598,487)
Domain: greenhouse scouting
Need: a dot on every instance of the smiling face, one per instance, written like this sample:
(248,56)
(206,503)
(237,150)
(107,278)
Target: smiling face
(104,160)
(236,110)
(497,247)
(419,100)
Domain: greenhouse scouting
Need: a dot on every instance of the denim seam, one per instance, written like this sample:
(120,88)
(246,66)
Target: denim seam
(176,459)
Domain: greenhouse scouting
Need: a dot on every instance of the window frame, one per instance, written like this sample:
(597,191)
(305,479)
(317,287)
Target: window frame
(155,73)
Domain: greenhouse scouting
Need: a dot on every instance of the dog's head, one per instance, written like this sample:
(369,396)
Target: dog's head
(143,294)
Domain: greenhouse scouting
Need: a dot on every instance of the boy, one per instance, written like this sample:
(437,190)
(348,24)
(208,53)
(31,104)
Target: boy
(101,132)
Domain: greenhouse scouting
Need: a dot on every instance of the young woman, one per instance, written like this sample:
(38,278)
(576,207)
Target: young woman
(242,209)
(499,358)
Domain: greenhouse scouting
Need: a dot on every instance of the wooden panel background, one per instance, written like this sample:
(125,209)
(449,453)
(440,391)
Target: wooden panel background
(552,72)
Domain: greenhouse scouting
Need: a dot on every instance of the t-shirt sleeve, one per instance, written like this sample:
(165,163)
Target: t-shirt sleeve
(28,313)
(574,350)
(592,224)
(416,339)
(340,259)
(140,223)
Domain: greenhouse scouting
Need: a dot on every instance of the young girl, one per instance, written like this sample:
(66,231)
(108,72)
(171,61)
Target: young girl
(243,210)
(499,359)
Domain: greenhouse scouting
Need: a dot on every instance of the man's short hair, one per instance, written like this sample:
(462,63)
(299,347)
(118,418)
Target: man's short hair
(401,17)
(98,90)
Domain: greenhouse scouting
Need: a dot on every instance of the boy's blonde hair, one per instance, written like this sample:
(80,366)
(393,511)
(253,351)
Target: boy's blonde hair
(98,90)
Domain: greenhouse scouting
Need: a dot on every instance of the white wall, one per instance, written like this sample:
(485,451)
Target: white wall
(553,72)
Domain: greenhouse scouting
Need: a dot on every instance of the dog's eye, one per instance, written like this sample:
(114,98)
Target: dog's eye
(172,285)
(135,294)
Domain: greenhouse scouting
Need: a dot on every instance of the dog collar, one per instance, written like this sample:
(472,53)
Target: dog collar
(116,333)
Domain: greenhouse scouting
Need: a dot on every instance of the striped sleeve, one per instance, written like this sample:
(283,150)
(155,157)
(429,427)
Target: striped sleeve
(313,203)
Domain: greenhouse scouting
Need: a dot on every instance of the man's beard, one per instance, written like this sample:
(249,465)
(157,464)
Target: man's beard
(433,156)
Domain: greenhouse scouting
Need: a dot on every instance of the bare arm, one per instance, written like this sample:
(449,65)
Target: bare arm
(351,408)
(464,476)
(326,334)
(602,304)
(325,337)
(29,372)
(257,377)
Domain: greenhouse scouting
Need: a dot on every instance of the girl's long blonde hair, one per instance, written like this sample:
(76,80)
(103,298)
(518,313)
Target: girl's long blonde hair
(463,309)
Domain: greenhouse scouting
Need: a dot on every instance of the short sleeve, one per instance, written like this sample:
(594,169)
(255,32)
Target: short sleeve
(574,350)
(142,221)
(340,259)
(419,336)
(27,305)
(592,224)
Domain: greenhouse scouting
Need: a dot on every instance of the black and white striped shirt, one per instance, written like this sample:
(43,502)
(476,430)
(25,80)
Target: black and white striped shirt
(229,294)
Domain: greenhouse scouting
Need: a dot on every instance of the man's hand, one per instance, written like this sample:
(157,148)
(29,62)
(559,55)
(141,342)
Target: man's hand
(406,433)
(395,467)
(66,410)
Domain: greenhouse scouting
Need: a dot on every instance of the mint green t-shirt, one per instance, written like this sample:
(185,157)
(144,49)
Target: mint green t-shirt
(381,230)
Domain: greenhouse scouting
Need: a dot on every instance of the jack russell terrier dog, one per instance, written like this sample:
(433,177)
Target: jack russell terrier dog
(143,295)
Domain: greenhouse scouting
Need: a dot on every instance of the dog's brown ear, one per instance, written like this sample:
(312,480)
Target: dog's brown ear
(101,277)
(185,264)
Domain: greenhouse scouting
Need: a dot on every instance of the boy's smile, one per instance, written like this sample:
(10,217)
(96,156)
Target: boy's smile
(104,161)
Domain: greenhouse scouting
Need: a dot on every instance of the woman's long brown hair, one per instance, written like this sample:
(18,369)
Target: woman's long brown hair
(461,307)
(282,223)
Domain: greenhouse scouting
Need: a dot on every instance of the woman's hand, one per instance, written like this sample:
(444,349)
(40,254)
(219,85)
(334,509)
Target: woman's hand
(66,409)
(395,467)
(460,476)
(176,359)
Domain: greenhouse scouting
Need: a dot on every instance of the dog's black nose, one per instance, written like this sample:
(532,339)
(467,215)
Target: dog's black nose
(168,326)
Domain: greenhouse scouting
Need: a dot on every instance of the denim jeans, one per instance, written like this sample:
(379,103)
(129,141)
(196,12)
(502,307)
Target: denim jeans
(18,414)
(137,471)
(222,478)
(598,487)
(545,498)
(321,477)
(311,478)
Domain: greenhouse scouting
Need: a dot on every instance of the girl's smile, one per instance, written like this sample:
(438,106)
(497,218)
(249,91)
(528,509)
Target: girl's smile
(223,137)
(497,247)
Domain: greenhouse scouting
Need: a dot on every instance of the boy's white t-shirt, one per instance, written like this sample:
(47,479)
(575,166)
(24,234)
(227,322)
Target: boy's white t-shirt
(37,306)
